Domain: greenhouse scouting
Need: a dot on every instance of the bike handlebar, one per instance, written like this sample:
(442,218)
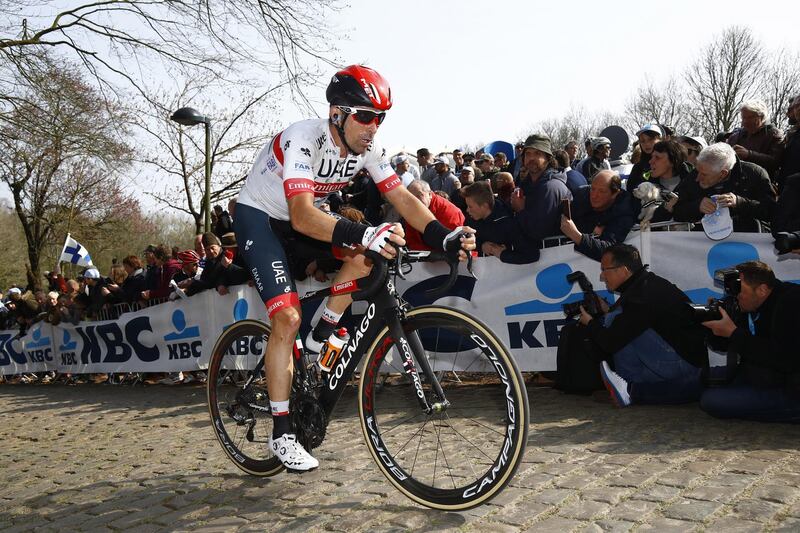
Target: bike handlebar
(370,284)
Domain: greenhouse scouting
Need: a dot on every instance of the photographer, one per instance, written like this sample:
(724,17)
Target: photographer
(657,349)
(767,386)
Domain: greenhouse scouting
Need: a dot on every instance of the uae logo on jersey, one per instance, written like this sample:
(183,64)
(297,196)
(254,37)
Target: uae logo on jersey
(306,152)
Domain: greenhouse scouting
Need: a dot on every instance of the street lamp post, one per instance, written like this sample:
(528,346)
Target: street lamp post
(187,116)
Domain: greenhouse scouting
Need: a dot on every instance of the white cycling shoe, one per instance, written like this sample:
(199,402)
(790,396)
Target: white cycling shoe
(292,454)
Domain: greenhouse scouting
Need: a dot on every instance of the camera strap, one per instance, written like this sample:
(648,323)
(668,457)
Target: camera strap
(751,322)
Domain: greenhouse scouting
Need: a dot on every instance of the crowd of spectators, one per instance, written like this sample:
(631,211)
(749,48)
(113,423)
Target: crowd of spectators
(543,196)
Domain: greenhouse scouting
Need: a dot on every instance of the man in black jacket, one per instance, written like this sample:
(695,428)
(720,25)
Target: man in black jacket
(725,181)
(657,349)
(602,215)
(767,387)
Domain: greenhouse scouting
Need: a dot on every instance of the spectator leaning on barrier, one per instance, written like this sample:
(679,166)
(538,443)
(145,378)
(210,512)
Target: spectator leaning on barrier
(25,308)
(190,268)
(135,282)
(542,186)
(214,275)
(445,212)
(444,180)
(238,272)
(165,269)
(602,215)
(503,187)
(670,173)
(743,187)
(96,291)
(767,385)
(601,149)
(658,351)
(757,141)
(495,228)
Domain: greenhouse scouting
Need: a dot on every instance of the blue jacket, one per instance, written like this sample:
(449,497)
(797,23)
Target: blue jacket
(616,222)
(541,216)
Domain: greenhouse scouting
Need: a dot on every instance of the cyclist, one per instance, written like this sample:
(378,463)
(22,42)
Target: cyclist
(277,213)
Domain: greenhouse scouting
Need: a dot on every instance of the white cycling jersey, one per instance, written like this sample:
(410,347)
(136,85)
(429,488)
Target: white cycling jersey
(303,158)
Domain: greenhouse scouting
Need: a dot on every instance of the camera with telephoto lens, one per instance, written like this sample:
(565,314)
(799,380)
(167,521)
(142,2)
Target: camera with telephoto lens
(786,241)
(730,281)
(590,298)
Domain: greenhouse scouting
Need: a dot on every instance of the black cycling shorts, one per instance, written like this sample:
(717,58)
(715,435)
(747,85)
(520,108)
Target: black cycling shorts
(263,243)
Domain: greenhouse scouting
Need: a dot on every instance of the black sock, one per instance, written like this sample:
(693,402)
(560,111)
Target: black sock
(322,331)
(281,424)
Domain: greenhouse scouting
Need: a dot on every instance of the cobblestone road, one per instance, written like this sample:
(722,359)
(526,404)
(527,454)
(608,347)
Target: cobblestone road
(98,458)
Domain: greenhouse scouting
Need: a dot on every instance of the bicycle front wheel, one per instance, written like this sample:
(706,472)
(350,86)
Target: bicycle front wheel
(238,400)
(466,454)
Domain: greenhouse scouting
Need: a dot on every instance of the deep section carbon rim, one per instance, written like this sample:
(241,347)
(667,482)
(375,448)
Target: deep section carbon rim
(465,455)
(240,413)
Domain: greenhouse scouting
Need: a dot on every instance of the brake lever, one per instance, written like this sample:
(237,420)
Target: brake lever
(398,262)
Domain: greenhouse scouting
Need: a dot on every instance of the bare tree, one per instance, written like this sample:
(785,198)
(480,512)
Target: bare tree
(59,151)
(729,71)
(120,42)
(578,124)
(179,154)
(782,84)
(660,104)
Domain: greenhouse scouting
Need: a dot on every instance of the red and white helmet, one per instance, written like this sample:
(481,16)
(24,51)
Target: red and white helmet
(359,86)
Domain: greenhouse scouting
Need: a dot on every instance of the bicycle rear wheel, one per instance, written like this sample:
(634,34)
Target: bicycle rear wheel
(239,410)
(465,455)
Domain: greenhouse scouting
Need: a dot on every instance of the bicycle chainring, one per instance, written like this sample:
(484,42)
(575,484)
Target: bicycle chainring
(309,420)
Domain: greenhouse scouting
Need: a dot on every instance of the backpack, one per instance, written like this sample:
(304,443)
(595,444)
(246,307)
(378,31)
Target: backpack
(578,368)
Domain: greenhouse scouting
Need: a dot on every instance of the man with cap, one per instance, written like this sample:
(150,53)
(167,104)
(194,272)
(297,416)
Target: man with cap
(601,149)
(693,145)
(538,207)
(215,273)
(485,163)
(648,136)
(444,180)
(150,266)
(96,291)
(402,167)
(23,306)
(190,268)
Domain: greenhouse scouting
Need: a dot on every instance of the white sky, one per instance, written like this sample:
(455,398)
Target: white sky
(474,72)
(469,72)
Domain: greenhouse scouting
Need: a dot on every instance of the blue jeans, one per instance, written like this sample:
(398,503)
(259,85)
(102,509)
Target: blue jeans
(741,399)
(655,373)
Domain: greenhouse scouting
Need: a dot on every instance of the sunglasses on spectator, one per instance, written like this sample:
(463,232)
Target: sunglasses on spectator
(364,116)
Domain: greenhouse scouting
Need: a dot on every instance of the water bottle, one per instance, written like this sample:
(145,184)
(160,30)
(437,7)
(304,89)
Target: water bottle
(332,349)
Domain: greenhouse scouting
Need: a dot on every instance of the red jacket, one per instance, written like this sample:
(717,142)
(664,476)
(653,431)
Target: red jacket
(445,212)
(170,267)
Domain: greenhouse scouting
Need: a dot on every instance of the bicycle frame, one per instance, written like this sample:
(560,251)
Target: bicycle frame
(384,308)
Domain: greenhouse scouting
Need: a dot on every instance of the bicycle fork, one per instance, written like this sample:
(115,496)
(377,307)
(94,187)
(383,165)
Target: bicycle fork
(411,350)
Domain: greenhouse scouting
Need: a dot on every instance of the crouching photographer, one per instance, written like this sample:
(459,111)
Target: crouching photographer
(657,349)
(764,335)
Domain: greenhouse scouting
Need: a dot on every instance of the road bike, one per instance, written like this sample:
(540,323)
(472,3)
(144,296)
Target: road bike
(442,405)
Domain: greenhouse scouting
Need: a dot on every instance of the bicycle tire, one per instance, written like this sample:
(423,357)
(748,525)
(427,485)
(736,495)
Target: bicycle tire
(493,410)
(244,444)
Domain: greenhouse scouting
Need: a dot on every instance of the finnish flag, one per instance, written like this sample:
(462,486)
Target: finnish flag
(74,253)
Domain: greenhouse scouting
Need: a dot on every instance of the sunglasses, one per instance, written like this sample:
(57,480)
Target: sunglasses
(364,116)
